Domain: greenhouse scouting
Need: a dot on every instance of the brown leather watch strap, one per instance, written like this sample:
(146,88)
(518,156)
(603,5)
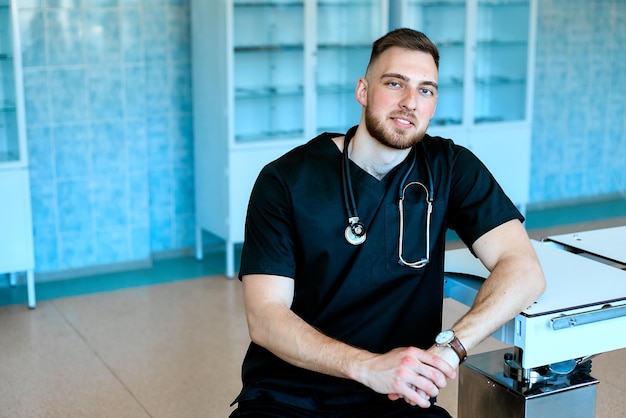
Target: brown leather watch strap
(458,348)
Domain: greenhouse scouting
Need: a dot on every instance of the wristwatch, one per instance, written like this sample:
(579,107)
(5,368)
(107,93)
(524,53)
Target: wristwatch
(447,338)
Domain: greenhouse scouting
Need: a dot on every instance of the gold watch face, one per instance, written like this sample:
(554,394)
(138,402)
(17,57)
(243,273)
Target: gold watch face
(444,337)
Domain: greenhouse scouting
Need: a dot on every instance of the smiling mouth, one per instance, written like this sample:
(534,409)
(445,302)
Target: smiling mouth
(403,121)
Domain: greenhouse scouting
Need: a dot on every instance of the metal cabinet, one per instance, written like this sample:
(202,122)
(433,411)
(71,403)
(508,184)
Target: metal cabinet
(16,237)
(486,75)
(268,76)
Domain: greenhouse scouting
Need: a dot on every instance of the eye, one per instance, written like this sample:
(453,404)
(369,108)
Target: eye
(394,84)
(427,92)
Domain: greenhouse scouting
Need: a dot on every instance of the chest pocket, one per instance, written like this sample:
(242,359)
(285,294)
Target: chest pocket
(414,232)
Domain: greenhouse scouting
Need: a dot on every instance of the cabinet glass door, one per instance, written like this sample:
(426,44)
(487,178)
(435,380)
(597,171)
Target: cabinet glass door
(9,139)
(345,32)
(443,22)
(268,70)
(502,34)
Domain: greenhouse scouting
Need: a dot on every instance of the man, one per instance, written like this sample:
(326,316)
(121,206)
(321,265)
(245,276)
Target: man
(343,313)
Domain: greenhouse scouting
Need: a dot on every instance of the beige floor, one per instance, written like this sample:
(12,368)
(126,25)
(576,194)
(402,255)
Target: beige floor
(171,350)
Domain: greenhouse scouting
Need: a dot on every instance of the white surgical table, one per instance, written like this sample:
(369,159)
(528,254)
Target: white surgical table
(608,244)
(581,314)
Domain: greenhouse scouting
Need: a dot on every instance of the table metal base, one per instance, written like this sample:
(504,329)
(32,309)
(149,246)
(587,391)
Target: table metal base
(485,392)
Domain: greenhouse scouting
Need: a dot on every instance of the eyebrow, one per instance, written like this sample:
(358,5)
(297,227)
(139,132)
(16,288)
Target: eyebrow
(405,78)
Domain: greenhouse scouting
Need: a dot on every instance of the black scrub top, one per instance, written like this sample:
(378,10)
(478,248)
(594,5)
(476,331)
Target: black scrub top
(360,295)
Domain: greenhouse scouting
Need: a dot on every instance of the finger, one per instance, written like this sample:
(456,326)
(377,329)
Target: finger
(394,396)
(433,374)
(441,364)
(413,396)
(425,385)
(444,367)
(418,378)
(418,397)
(431,366)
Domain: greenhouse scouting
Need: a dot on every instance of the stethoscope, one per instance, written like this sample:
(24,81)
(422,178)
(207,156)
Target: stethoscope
(356,234)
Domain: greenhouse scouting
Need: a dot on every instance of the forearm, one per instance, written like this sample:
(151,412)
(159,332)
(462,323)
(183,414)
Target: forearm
(407,372)
(513,285)
(281,331)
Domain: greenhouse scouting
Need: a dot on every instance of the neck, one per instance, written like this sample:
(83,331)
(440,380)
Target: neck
(372,156)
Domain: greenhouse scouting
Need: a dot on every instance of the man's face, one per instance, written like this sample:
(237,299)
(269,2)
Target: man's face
(399,95)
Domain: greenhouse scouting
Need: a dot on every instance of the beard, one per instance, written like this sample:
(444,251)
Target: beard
(393,137)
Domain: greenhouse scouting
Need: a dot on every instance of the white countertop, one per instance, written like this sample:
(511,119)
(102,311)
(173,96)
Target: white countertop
(573,281)
(609,243)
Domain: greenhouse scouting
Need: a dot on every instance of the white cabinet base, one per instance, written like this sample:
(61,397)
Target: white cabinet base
(16,235)
(30,286)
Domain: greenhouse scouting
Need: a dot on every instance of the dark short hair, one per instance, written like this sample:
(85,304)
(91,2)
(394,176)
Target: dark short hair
(404,38)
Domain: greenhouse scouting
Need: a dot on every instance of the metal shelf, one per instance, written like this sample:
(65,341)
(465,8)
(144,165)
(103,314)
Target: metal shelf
(268,48)
(269,4)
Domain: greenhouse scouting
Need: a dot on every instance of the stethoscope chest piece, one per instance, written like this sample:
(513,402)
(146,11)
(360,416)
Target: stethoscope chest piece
(355,232)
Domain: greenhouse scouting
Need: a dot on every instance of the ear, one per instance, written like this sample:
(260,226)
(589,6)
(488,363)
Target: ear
(361,91)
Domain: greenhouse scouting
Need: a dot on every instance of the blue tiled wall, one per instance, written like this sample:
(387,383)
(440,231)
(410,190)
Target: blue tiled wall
(579,126)
(108,102)
(108,108)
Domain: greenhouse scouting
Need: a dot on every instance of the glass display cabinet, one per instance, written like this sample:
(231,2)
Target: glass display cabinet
(10,152)
(486,74)
(344,33)
(268,76)
(268,70)
(16,240)
(501,62)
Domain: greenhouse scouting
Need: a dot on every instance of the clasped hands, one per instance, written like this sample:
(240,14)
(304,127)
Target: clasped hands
(410,373)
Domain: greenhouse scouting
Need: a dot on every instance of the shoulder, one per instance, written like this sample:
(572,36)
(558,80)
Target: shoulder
(302,165)
(318,150)
(322,144)
(456,165)
(445,152)
(441,145)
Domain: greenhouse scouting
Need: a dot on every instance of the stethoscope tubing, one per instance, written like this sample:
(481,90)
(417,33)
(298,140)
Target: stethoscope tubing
(355,232)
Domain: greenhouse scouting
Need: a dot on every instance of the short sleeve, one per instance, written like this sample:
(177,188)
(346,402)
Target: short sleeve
(477,202)
(268,245)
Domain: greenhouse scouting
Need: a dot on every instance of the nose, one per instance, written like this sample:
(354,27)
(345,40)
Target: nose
(409,101)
